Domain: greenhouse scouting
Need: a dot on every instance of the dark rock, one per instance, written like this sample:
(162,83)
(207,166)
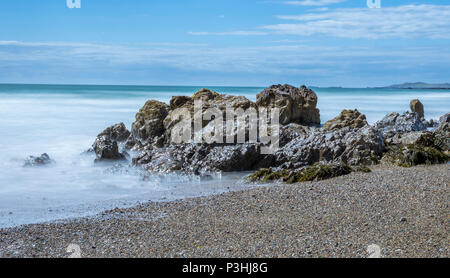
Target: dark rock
(445,118)
(297,105)
(107,149)
(42,160)
(117,132)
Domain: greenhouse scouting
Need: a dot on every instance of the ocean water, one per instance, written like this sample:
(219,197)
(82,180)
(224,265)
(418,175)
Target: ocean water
(63,121)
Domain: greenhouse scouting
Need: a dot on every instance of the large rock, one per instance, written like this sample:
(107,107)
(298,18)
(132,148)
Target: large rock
(42,160)
(394,123)
(348,118)
(417,107)
(150,121)
(297,105)
(107,149)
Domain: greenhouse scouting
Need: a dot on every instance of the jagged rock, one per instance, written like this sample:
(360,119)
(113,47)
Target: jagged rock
(297,105)
(394,123)
(107,149)
(42,160)
(423,138)
(353,147)
(417,107)
(291,131)
(117,132)
(445,118)
(442,137)
(149,121)
(348,118)
(201,158)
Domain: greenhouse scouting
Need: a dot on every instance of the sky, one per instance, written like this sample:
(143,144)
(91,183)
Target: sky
(225,43)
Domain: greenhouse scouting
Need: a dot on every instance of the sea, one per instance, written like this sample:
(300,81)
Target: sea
(63,121)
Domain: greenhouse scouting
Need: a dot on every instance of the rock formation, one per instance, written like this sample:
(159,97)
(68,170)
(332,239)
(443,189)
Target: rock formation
(348,139)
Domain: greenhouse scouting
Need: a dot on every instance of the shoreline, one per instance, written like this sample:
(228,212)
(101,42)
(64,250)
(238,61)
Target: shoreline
(403,210)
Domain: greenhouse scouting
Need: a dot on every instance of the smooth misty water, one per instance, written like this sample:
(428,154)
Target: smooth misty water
(64,120)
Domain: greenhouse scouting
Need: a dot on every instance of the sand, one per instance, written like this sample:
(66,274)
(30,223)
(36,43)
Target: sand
(403,211)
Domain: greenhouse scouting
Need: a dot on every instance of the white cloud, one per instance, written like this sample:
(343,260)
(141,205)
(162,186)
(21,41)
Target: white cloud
(408,21)
(313,2)
(230,33)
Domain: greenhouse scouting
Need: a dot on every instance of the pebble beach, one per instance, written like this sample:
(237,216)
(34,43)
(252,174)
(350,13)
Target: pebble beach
(403,211)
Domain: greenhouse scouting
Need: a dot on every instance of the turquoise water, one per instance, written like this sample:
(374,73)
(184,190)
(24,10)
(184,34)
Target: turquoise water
(64,120)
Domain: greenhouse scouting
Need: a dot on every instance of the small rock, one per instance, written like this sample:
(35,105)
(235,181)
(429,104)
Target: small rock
(42,160)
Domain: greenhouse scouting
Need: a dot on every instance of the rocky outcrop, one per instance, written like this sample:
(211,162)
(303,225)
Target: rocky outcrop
(345,140)
(42,160)
(297,105)
(417,107)
(348,118)
(349,146)
(394,123)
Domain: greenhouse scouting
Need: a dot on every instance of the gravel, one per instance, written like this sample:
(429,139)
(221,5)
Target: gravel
(403,212)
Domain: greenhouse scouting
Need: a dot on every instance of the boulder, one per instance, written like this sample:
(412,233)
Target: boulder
(150,121)
(107,149)
(417,107)
(348,118)
(117,132)
(42,160)
(297,105)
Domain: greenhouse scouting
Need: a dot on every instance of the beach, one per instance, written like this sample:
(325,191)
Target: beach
(404,211)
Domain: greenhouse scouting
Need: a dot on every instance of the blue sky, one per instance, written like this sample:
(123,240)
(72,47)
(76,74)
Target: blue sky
(228,42)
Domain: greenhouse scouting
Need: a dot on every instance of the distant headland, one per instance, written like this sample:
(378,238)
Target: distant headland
(420,85)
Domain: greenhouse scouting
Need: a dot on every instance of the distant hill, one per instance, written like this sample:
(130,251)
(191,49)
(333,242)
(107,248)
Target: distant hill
(420,85)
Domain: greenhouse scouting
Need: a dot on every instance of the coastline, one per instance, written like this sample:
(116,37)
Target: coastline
(402,210)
